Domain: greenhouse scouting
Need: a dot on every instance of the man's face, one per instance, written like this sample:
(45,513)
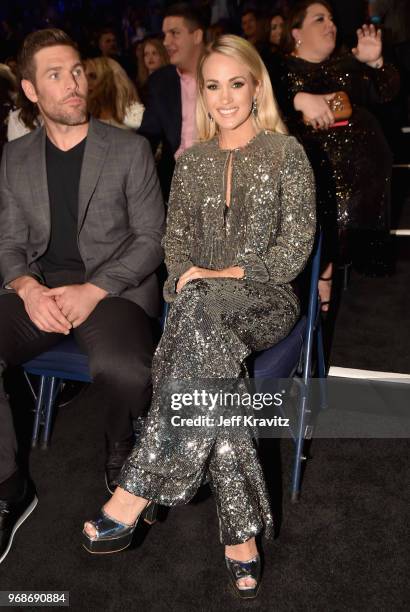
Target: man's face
(60,86)
(249,25)
(179,41)
(108,44)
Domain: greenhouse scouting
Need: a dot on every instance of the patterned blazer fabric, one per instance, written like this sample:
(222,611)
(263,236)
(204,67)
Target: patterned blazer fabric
(120,216)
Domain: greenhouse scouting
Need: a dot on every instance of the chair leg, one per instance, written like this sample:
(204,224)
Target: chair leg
(346,275)
(38,410)
(299,456)
(321,367)
(54,384)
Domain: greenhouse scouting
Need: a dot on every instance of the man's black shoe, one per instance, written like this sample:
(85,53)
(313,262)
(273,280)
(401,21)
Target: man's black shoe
(13,513)
(117,454)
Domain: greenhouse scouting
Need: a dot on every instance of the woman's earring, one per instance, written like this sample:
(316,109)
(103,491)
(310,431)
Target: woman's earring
(210,117)
(298,43)
(254,109)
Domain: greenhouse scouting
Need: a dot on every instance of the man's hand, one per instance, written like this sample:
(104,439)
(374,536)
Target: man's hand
(42,309)
(76,302)
(195,272)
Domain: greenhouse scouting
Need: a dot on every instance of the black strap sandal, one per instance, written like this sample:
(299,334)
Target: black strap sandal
(238,570)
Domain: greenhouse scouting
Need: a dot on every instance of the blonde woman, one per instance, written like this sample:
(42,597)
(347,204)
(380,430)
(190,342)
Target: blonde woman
(240,228)
(113,97)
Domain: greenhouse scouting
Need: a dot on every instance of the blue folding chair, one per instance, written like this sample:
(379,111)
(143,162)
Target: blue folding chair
(65,361)
(294,357)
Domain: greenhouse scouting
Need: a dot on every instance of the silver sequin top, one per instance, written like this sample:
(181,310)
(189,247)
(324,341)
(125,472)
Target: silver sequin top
(269,227)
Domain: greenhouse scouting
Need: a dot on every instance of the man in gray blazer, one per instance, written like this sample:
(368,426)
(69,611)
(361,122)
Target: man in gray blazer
(81,222)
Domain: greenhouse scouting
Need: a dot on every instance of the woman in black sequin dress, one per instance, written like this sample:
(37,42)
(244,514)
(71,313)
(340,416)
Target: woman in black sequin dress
(352,161)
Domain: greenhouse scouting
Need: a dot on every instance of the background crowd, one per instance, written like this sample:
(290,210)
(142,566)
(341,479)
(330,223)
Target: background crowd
(123,30)
(122,44)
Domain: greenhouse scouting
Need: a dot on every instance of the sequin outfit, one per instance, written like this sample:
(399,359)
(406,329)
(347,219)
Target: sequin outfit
(214,324)
(352,164)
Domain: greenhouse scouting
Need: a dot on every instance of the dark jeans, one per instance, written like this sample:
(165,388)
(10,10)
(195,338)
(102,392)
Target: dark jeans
(117,337)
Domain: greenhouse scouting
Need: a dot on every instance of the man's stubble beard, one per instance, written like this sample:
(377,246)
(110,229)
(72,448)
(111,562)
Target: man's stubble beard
(75,117)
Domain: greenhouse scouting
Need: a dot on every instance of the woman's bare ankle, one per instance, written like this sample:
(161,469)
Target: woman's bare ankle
(122,507)
(242,552)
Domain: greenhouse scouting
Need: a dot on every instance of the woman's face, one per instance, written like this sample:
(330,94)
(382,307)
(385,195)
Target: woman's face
(276,27)
(317,36)
(91,75)
(152,58)
(228,91)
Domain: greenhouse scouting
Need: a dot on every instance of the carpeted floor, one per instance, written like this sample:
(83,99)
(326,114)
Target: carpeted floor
(341,548)
(367,335)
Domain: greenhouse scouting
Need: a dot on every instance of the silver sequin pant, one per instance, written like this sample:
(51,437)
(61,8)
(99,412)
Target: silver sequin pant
(213,325)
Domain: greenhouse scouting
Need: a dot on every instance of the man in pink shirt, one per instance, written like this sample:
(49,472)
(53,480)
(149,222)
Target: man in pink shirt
(170,107)
(188,101)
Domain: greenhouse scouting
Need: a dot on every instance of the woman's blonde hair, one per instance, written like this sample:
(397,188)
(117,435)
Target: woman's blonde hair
(267,116)
(114,91)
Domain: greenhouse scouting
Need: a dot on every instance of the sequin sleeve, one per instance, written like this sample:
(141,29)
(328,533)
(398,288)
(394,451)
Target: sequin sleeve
(382,84)
(177,237)
(293,242)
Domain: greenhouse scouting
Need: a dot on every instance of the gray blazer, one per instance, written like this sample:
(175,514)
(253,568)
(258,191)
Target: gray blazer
(120,216)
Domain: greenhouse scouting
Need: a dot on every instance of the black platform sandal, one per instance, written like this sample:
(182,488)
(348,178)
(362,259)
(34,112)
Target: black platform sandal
(111,535)
(239,570)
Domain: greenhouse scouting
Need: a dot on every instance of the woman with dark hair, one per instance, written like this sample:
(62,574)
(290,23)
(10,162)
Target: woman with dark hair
(325,99)
(276,28)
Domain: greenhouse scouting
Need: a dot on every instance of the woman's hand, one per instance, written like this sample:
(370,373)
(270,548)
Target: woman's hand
(369,46)
(315,109)
(195,272)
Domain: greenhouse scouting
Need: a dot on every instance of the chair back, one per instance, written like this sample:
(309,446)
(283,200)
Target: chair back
(294,353)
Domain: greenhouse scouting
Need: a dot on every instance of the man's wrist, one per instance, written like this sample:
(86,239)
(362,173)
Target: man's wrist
(98,292)
(22,284)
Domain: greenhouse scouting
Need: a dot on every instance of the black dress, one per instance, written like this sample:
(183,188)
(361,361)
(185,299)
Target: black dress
(352,164)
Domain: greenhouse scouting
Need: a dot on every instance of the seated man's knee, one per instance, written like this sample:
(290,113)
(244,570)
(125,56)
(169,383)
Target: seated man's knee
(121,370)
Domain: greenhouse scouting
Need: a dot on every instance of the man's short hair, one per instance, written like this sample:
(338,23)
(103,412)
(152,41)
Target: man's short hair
(254,12)
(34,42)
(26,67)
(192,15)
